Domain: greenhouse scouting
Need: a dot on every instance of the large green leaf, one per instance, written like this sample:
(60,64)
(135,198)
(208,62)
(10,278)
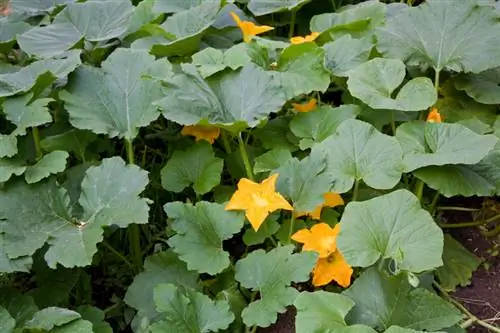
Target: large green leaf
(9,32)
(459,264)
(197,166)
(40,73)
(315,126)
(467,40)
(7,265)
(8,145)
(346,53)
(174,6)
(51,317)
(210,61)
(161,267)
(36,7)
(52,163)
(201,229)
(382,301)
(357,20)
(24,115)
(427,144)
(190,311)
(271,274)
(358,151)
(11,167)
(391,226)
(481,179)
(483,87)
(115,99)
(232,99)
(271,160)
(93,20)
(39,214)
(259,7)
(304,182)
(7,323)
(75,141)
(300,70)
(20,307)
(324,312)
(96,317)
(375,81)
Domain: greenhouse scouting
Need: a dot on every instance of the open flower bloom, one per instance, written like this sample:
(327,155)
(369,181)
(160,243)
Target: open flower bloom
(309,106)
(305,39)
(434,116)
(332,200)
(249,29)
(202,132)
(331,265)
(258,200)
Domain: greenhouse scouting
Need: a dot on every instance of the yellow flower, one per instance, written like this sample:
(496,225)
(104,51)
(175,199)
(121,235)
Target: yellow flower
(434,116)
(258,200)
(332,200)
(332,268)
(202,132)
(249,29)
(331,265)
(321,238)
(309,106)
(305,39)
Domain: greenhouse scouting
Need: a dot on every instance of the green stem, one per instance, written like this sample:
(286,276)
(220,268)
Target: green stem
(461,225)
(292,226)
(244,157)
(419,189)
(436,81)
(118,254)
(458,209)
(292,24)
(225,141)
(472,318)
(36,141)
(355,191)
(270,236)
(434,201)
(393,123)
(134,233)
(495,231)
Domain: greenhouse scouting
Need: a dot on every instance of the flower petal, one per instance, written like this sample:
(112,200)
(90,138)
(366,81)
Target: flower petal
(333,268)
(309,106)
(256,216)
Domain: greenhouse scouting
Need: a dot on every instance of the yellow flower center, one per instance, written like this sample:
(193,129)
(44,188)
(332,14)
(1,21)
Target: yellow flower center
(259,201)
(331,258)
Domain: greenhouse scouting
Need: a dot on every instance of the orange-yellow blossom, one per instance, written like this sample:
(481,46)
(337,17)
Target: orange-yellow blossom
(331,265)
(332,200)
(6,10)
(249,29)
(202,132)
(434,116)
(309,106)
(305,39)
(257,200)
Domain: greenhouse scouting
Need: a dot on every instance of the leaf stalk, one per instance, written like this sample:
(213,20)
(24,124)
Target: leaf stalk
(244,157)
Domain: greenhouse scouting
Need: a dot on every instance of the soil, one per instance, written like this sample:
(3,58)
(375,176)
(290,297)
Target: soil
(481,297)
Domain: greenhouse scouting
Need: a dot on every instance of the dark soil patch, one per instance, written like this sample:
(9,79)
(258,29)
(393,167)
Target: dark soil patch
(285,323)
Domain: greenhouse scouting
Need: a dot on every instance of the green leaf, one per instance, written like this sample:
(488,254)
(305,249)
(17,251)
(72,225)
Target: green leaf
(8,145)
(19,111)
(459,106)
(96,317)
(317,125)
(50,164)
(39,214)
(481,179)
(346,53)
(93,20)
(77,326)
(20,307)
(276,135)
(187,28)
(268,229)
(161,267)
(36,7)
(483,87)
(113,101)
(36,74)
(382,301)
(271,274)
(189,312)
(459,264)
(75,141)
(197,166)
(51,317)
(7,265)
(300,70)
(391,226)
(358,151)
(271,160)
(9,32)
(397,329)
(476,125)
(322,311)
(375,81)
(11,167)
(174,6)
(467,41)
(357,20)
(232,99)
(201,229)
(259,7)
(7,323)
(304,182)
(210,61)
(426,144)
